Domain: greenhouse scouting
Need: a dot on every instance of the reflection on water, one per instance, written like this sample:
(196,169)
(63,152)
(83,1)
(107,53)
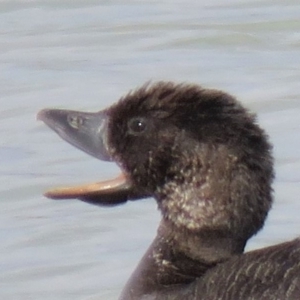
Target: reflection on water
(85,55)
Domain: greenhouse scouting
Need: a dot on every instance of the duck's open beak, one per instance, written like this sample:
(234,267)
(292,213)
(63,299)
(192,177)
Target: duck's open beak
(88,132)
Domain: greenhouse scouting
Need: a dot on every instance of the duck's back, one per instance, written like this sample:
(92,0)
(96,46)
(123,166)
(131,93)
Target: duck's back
(270,273)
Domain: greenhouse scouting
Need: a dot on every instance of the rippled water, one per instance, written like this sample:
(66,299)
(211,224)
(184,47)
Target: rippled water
(85,55)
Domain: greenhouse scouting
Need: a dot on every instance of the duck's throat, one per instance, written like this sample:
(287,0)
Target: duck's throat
(177,257)
(193,253)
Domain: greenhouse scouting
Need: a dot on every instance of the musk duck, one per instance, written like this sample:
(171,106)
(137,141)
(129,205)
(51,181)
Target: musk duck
(201,155)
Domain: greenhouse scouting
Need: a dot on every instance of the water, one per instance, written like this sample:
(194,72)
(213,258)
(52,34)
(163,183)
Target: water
(85,55)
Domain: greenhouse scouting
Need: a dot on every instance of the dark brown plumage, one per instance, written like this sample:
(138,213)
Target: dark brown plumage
(207,163)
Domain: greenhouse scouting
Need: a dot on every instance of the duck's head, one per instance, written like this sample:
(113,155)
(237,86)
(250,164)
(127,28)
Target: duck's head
(198,152)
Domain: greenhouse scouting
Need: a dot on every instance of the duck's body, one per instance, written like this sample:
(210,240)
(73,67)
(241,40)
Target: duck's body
(269,273)
(201,155)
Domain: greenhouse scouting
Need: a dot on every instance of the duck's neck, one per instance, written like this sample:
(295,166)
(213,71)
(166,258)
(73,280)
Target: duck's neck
(178,256)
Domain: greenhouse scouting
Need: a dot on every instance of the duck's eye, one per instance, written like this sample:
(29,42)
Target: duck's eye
(137,125)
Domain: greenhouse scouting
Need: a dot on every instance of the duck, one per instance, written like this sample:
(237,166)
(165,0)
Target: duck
(208,164)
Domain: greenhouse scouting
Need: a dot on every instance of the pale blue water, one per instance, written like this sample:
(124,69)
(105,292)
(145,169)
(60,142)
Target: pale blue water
(85,55)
